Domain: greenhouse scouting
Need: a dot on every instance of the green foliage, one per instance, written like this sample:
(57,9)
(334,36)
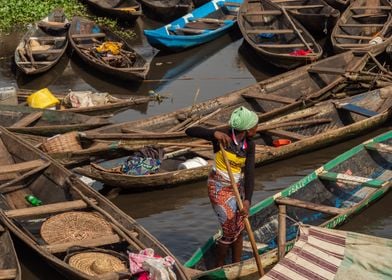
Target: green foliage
(22,12)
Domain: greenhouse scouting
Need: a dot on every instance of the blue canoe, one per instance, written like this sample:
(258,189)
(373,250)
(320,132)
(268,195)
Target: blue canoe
(202,25)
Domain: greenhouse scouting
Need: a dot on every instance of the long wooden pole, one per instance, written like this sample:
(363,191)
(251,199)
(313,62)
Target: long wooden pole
(281,231)
(246,220)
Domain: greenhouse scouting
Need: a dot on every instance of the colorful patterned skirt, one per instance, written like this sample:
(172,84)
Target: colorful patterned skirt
(224,203)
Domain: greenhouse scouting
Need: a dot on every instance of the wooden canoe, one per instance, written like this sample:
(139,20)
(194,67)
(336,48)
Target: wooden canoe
(275,36)
(127,10)
(315,15)
(364,27)
(84,36)
(275,96)
(24,119)
(341,5)
(42,46)
(309,129)
(200,26)
(9,263)
(327,197)
(114,104)
(166,10)
(27,171)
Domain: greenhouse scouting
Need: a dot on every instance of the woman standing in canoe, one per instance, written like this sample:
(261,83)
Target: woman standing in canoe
(240,150)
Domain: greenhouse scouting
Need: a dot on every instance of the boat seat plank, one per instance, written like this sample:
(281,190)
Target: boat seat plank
(282,46)
(27,120)
(208,20)
(101,241)
(269,97)
(355,37)
(386,8)
(384,148)
(35,62)
(350,179)
(357,109)
(10,273)
(20,167)
(87,36)
(326,70)
(360,25)
(286,134)
(352,45)
(274,31)
(232,4)
(369,15)
(52,51)
(299,7)
(48,38)
(47,209)
(189,30)
(309,205)
(264,13)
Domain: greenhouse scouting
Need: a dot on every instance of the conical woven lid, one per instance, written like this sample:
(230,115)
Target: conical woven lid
(74,226)
(96,263)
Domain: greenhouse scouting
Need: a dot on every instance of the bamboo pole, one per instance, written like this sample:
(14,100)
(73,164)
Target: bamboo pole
(246,220)
(281,231)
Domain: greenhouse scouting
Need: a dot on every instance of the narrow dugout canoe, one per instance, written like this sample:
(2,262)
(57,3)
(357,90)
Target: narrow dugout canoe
(45,122)
(200,26)
(85,36)
(9,263)
(327,197)
(312,128)
(275,36)
(165,10)
(114,104)
(275,96)
(363,27)
(27,171)
(42,46)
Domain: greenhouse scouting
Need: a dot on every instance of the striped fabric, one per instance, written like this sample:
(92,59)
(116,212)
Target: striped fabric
(328,254)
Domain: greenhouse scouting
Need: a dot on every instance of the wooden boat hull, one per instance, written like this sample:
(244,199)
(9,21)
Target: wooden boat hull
(43,60)
(140,67)
(340,125)
(286,91)
(341,5)
(318,20)
(45,122)
(164,38)
(60,191)
(126,10)
(9,263)
(166,10)
(353,32)
(275,36)
(326,190)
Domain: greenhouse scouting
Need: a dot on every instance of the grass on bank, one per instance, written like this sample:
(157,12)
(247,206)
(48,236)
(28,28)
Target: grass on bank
(22,12)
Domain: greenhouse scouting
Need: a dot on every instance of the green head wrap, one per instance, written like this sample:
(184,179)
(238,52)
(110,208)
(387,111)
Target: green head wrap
(243,119)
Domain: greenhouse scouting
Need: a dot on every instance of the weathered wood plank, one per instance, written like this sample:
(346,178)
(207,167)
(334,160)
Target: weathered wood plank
(274,31)
(287,134)
(326,70)
(269,97)
(20,167)
(27,120)
(47,209)
(104,240)
(350,179)
(379,147)
(309,205)
(87,36)
(282,46)
(8,273)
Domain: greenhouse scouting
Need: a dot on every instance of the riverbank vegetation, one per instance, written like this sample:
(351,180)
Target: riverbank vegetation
(23,12)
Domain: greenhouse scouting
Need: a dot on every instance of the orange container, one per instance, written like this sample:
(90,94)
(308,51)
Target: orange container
(281,142)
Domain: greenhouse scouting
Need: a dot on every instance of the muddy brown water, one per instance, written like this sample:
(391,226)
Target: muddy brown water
(181,217)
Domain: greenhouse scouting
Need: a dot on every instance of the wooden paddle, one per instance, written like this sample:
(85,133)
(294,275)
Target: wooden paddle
(241,206)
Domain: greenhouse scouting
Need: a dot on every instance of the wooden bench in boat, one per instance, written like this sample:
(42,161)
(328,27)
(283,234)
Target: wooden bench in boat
(27,120)
(88,36)
(20,167)
(47,209)
(35,62)
(384,148)
(208,20)
(386,8)
(300,7)
(282,46)
(54,51)
(349,179)
(269,97)
(10,273)
(356,109)
(274,31)
(360,25)
(353,45)
(326,70)
(189,30)
(369,15)
(232,4)
(263,13)
(286,134)
(355,37)
(309,205)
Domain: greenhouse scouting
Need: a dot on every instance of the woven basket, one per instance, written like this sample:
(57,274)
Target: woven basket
(66,142)
(74,226)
